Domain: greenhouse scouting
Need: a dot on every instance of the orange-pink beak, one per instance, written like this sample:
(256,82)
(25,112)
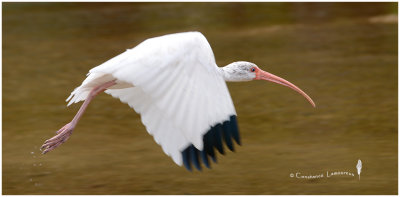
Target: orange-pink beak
(262,75)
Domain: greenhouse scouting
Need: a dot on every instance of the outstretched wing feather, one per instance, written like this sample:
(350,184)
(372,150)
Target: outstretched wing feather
(177,89)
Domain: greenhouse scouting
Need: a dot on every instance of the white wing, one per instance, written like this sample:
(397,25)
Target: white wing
(174,83)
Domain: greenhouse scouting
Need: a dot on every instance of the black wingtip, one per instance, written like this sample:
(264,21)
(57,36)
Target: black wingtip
(194,153)
(209,142)
(218,138)
(214,138)
(185,158)
(204,157)
(227,136)
(214,158)
(234,129)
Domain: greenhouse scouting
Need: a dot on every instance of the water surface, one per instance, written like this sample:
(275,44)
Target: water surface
(344,55)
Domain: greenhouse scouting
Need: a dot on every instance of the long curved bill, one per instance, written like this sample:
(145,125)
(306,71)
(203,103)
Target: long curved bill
(262,75)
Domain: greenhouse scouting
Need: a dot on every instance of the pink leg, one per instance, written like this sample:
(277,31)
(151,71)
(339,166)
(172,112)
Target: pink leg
(65,132)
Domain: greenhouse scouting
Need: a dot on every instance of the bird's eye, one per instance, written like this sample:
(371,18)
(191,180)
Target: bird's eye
(252,69)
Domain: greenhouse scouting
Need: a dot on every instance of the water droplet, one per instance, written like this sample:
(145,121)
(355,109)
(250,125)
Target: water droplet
(32,153)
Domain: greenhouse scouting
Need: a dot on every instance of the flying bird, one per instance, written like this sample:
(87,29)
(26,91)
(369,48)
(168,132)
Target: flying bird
(174,83)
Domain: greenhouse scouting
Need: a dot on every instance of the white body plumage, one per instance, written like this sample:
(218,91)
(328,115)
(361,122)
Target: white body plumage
(174,83)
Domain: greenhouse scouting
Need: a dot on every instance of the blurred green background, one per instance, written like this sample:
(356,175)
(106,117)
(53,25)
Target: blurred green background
(344,55)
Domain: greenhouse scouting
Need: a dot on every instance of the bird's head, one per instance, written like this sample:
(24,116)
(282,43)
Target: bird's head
(247,71)
(240,71)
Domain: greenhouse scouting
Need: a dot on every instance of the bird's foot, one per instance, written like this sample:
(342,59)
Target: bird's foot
(62,135)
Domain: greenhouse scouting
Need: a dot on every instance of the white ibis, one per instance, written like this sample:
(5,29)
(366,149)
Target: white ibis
(175,84)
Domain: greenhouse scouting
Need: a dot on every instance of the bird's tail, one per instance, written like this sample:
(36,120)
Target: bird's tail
(81,93)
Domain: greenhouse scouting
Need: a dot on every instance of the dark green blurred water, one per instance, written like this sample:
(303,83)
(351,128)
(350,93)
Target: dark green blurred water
(344,55)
